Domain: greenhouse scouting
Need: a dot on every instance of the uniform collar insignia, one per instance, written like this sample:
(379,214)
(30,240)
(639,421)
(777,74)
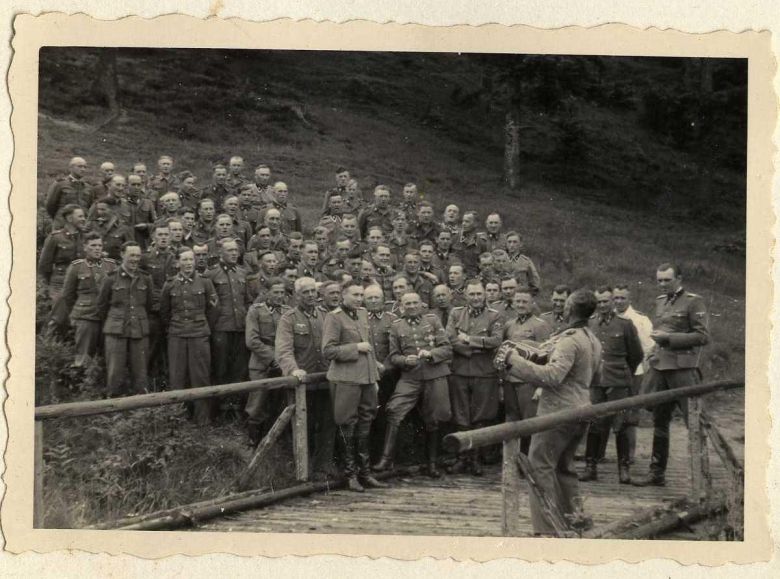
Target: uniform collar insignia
(476,311)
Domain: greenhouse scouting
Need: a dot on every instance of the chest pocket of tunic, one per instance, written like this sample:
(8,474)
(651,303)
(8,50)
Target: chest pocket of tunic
(301,335)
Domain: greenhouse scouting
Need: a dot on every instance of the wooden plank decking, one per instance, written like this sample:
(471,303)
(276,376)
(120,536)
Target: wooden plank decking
(465,505)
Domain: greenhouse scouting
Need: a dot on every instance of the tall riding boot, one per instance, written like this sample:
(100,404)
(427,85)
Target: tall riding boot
(364,459)
(475,464)
(657,474)
(631,435)
(347,437)
(592,448)
(388,452)
(623,449)
(432,441)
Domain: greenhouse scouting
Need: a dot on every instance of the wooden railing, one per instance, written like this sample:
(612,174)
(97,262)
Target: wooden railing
(296,413)
(515,464)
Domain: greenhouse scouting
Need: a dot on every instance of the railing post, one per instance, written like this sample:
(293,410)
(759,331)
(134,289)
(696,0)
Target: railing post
(301,434)
(38,474)
(510,489)
(697,448)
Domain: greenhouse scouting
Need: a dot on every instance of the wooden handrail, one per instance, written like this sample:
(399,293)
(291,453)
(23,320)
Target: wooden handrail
(466,440)
(92,407)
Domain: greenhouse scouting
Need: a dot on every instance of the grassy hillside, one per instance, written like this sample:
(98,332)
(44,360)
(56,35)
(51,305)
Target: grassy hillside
(393,119)
(611,215)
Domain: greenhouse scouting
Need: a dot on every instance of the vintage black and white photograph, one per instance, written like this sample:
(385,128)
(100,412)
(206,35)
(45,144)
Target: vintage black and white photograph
(391,293)
(373,297)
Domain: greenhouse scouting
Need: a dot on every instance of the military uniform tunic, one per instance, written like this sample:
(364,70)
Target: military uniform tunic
(79,302)
(184,306)
(675,363)
(60,248)
(68,190)
(525,272)
(299,347)
(262,319)
(428,378)
(373,216)
(124,301)
(518,395)
(474,380)
(228,347)
(353,375)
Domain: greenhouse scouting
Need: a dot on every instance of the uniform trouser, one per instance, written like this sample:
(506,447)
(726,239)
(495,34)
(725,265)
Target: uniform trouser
(598,433)
(123,354)
(552,459)
(87,338)
(230,357)
(658,381)
(261,404)
(56,281)
(474,399)
(157,349)
(320,426)
(189,365)
(386,388)
(520,405)
(435,398)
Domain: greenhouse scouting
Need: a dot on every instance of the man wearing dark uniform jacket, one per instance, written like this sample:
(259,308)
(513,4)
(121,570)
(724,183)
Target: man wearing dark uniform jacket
(185,302)
(60,248)
(421,350)
(124,299)
(353,374)
(262,319)
(475,331)
(78,302)
(681,329)
(621,353)
(229,354)
(72,189)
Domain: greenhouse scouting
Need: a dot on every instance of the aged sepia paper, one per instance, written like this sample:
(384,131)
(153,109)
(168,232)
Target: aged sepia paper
(31,33)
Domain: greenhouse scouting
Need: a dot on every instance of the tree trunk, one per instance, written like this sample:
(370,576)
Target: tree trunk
(105,85)
(512,149)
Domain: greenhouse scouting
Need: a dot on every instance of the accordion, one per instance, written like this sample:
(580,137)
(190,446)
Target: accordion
(528,350)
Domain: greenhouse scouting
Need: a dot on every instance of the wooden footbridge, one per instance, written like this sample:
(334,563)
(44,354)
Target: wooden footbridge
(495,504)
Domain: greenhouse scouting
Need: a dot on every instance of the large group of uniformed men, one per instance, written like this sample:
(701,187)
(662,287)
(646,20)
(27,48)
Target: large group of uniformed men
(401,309)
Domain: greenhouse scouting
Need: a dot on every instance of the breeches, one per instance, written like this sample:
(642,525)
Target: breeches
(259,403)
(435,397)
(353,404)
(616,422)
(474,399)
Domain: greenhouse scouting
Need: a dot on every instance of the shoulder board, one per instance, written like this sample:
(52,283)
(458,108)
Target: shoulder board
(77,261)
(662,296)
(392,316)
(538,319)
(482,235)
(458,308)
(285,307)
(593,317)
(395,321)
(495,311)
(692,295)
(431,315)
(258,305)
(570,332)
(546,313)
(361,309)
(337,311)
(57,231)
(110,260)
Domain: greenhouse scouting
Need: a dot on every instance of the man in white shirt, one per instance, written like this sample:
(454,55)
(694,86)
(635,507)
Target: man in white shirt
(621,297)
